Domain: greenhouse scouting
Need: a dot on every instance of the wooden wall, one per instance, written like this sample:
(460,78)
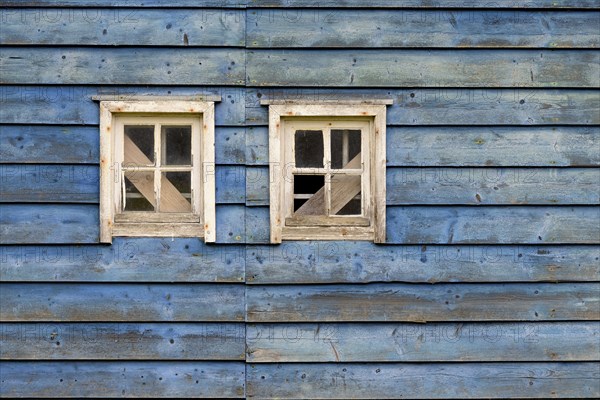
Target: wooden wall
(488,286)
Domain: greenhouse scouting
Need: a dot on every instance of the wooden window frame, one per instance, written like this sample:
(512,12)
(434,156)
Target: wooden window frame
(201,223)
(280,116)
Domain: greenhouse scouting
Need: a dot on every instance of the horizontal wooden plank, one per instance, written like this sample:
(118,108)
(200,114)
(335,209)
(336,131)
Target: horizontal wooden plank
(118,26)
(362,262)
(73,105)
(47,183)
(230,145)
(230,224)
(122,66)
(423,381)
(493,146)
(418,3)
(48,223)
(80,302)
(334,28)
(431,68)
(126,341)
(257,225)
(451,106)
(493,225)
(135,3)
(126,260)
(437,342)
(257,186)
(424,303)
(208,379)
(493,186)
(230,182)
(48,144)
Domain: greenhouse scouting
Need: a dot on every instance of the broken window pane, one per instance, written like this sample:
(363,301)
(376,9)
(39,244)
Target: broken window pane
(139,191)
(176,145)
(139,145)
(305,200)
(176,192)
(345,145)
(345,195)
(309,149)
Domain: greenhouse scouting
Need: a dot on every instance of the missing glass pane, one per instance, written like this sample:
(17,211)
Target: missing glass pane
(176,192)
(140,151)
(345,145)
(305,201)
(139,191)
(309,149)
(176,144)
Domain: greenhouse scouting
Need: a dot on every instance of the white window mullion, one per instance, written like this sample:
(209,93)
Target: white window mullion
(158,164)
(327,165)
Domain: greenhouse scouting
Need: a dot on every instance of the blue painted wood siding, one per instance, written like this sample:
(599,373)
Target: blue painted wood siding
(488,285)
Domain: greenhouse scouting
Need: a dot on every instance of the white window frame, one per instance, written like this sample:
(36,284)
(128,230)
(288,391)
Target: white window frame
(281,144)
(202,220)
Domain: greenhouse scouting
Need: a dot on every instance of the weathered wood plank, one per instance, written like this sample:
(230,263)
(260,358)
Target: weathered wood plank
(209,379)
(230,224)
(126,260)
(48,223)
(423,381)
(424,303)
(118,26)
(230,145)
(122,66)
(418,3)
(363,262)
(47,183)
(230,184)
(77,302)
(493,225)
(48,144)
(257,186)
(136,3)
(285,28)
(465,342)
(431,68)
(451,106)
(494,146)
(257,225)
(126,341)
(493,186)
(73,105)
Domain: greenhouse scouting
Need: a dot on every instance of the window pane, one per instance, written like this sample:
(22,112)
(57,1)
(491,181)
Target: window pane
(306,202)
(345,195)
(309,149)
(139,145)
(175,192)
(345,145)
(176,145)
(139,191)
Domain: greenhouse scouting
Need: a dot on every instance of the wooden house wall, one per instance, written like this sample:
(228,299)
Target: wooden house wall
(488,285)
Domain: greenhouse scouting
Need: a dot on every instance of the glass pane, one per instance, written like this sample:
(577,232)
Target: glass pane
(176,145)
(345,145)
(176,192)
(139,191)
(305,200)
(139,145)
(309,149)
(345,195)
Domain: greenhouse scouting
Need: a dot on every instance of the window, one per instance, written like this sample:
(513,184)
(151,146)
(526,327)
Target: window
(157,169)
(327,166)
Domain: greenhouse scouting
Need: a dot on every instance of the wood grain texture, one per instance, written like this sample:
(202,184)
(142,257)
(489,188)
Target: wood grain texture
(230,145)
(432,68)
(122,66)
(363,262)
(77,302)
(209,379)
(494,146)
(48,223)
(437,342)
(230,184)
(493,225)
(542,186)
(335,28)
(73,105)
(450,106)
(231,228)
(419,3)
(424,303)
(135,3)
(126,341)
(423,381)
(117,27)
(126,260)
